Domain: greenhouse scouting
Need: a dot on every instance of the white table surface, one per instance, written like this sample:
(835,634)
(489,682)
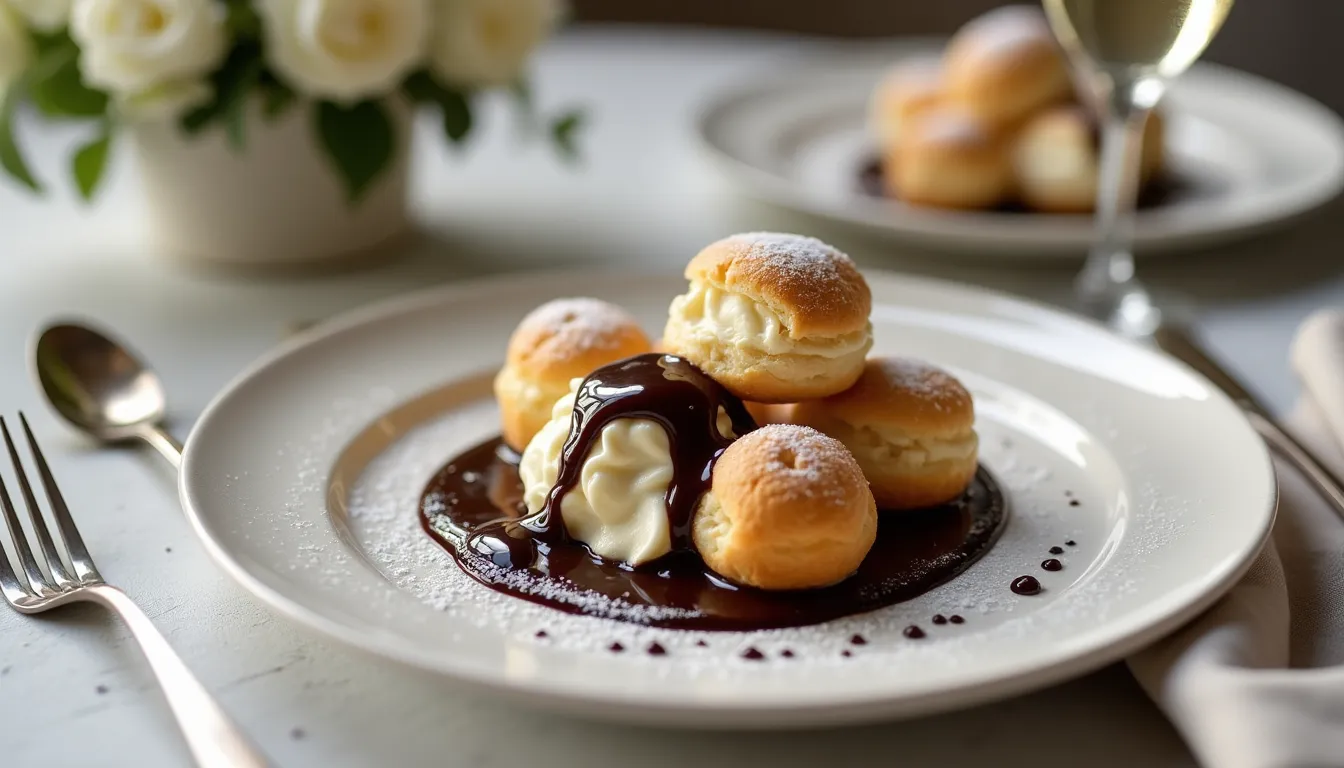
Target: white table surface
(73,689)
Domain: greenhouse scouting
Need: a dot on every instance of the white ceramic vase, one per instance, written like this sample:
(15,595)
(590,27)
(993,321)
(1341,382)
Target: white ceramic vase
(277,204)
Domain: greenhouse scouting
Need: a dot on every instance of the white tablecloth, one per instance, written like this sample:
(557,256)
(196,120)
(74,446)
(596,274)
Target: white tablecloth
(644,197)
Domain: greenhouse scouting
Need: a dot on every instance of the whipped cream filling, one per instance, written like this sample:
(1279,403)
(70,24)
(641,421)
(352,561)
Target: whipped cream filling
(618,507)
(891,444)
(711,313)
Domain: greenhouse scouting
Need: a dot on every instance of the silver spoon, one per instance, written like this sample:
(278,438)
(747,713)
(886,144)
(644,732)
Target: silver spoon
(103,389)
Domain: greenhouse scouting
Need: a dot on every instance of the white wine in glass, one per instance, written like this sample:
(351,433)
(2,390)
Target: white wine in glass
(1127,51)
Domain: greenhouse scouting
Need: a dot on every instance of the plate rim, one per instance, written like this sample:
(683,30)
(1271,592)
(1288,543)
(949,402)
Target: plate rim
(537,693)
(1058,246)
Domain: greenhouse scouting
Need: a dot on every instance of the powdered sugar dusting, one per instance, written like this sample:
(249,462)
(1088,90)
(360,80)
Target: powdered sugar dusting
(575,325)
(807,257)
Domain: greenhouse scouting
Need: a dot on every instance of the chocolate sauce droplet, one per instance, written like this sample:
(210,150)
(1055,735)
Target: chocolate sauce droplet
(957,619)
(1070,543)
(1026,585)
(1075,503)
(1056,550)
(913,632)
(615,647)
(939,618)
(786,653)
(846,653)
(753,654)
(541,634)
(1052,565)
(701,644)
(657,650)
(858,640)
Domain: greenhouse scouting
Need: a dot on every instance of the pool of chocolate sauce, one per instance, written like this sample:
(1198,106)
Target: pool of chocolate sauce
(915,551)
(1162,189)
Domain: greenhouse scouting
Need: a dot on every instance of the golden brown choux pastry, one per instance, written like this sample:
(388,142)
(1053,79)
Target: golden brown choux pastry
(788,509)
(949,159)
(558,341)
(911,427)
(1056,155)
(1004,65)
(910,88)
(773,317)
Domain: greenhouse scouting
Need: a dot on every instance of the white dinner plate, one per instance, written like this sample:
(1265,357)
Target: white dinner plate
(303,477)
(1251,154)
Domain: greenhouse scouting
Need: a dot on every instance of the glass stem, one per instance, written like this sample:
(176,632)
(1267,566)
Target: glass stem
(1109,272)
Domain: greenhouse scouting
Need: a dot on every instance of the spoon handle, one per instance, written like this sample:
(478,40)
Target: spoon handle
(167,445)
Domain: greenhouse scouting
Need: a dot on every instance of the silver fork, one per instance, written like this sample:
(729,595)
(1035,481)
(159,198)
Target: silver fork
(213,738)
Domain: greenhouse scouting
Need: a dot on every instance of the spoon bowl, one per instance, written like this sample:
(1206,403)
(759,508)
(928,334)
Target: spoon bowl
(101,387)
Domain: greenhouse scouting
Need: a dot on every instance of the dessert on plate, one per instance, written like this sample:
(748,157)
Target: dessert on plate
(995,122)
(760,469)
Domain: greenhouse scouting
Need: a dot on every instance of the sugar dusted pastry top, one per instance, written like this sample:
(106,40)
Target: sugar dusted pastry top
(567,338)
(814,289)
(906,394)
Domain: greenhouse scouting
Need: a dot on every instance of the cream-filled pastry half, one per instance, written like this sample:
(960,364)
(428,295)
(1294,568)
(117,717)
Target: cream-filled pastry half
(911,427)
(618,508)
(556,342)
(773,317)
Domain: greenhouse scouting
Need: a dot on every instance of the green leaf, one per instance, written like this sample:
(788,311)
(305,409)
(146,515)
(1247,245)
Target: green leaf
(453,105)
(11,158)
(241,20)
(277,98)
(359,139)
(89,162)
(58,90)
(563,130)
(233,84)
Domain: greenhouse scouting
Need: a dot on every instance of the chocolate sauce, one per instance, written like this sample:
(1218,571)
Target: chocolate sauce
(1163,189)
(846,653)
(1070,543)
(752,654)
(1052,565)
(615,647)
(541,634)
(939,619)
(1056,550)
(915,551)
(957,619)
(701,644)
(1075,503)
(913,632)
(656,649)
(663,388)
(1026,585)
(858,640)
(786,653)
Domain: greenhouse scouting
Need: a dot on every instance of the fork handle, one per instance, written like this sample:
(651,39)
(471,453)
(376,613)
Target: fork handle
(213,738)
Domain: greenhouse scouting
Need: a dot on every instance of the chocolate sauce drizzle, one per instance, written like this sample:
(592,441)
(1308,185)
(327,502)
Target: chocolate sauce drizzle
(472,507)
(663,388)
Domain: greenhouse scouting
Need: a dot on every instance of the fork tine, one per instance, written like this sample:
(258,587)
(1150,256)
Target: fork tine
(74,543)
(59,574)
(11,586)
(37,581)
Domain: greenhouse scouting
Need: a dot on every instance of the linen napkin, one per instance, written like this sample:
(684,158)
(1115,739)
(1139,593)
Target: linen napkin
(1258,680)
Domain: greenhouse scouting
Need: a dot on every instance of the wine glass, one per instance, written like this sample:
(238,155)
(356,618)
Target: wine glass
(1127,51)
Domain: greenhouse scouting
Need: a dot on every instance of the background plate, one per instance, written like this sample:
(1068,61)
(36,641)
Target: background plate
(302,477)
(1256,155)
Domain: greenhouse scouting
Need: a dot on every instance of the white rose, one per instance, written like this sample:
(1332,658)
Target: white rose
(46,15)
(16,48)
(166,101)
(487,42)
(132,46)
(344,50)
